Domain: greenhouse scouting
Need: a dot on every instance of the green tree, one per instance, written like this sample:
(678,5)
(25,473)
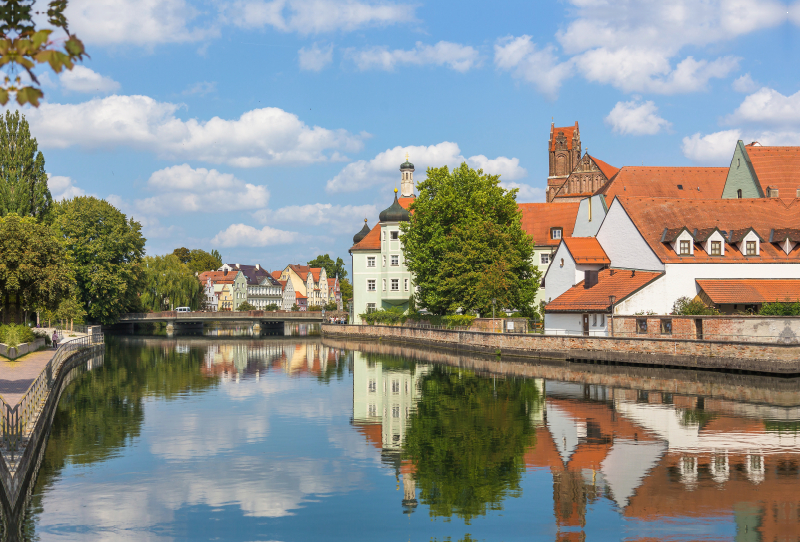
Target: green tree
(217,256)
(272,307)
(465,245)
(467,438)
(246,306)
(34,268)
(346,289)
(106,249)
(684,306)
(183,254)
(24,44)
(781,308)
(331,268)
(331,306)
(168,284)
(200,260)
(23,180)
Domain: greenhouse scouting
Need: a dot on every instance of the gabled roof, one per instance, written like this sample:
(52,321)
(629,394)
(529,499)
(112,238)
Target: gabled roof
(251,273)
(750,291)
(405,202)
(298,295)
(331,283)
(701,235)
(617,282)
(372,241)
(586,250)
(539,218)
(776,167)
(652,215)
(283,284)
(737,236)
(216,276)
(608,170)
(301,270)
(669,235)
(667,182)
(569,132)
(276,275)
(315,272)
(781,234)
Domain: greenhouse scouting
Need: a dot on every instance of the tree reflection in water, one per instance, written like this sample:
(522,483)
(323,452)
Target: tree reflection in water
(467,439)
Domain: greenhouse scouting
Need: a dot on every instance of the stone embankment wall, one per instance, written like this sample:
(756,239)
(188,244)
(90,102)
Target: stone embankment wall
(519,325)
(783,359)
(757,329)
(22,349)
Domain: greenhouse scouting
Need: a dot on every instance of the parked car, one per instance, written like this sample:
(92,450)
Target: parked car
(183,309)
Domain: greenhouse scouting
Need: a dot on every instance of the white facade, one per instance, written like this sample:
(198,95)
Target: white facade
(623,244)
(267,292)
(288,298)
(561,323)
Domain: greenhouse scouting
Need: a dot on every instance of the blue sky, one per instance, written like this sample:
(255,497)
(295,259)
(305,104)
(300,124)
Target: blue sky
(270,129)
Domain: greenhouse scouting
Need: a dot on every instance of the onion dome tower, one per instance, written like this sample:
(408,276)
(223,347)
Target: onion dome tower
(406,179)
(360,235)
(395,213)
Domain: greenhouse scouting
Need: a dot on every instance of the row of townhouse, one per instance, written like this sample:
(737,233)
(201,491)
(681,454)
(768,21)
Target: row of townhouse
(582,192)
(311,285)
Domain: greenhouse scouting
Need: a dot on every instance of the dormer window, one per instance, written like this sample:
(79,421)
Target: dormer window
(686,248)
(555,233)
(752,250)
(716,248)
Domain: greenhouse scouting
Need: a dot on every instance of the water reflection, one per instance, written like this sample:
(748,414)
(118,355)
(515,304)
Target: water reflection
(299,439)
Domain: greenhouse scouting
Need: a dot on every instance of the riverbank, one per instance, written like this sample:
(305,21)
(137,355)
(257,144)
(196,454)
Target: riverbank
(751,357)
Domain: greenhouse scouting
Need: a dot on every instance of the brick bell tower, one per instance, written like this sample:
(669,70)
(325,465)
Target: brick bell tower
(564,150)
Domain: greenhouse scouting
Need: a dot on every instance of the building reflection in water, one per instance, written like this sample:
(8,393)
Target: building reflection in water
(658,458)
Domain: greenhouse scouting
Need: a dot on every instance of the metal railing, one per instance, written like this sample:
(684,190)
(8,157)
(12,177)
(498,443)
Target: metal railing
(78,328)
(16,420)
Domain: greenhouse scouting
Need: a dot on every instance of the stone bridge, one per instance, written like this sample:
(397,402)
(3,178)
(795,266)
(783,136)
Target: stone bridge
(258,319)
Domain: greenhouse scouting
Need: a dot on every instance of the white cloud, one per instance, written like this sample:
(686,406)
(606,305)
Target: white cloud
(336,218)
(458,57)
(242,235)
(745,84)
(526,61)
(257,138)
(527,193)
(181,189)
(315,58)
(83,79)
(716,147)
(636,118)
(385,167)
(62,188)
(768,106)
(316,16)
(138,22)
(201,88)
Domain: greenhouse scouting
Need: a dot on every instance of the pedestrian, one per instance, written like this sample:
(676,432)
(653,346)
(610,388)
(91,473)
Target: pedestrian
(55,339)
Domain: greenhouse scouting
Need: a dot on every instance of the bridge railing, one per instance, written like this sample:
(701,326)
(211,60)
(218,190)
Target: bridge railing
(220,315)
(14,420)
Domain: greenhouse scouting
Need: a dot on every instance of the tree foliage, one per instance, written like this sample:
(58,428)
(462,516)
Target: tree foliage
(465,244)
(200,260)
(684,306)
(23,46)
(183,254)
(168,284)
(23,180)
(106,249)
(245,306)
(467,438)
(347,290)
(332,268)
(781,308)
(34,267)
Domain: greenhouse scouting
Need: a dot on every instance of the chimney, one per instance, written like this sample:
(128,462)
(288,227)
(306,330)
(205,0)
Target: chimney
(589,279)
(258,267)
(237,266)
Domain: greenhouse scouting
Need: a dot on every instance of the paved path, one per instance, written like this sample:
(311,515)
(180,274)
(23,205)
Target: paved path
(17,376)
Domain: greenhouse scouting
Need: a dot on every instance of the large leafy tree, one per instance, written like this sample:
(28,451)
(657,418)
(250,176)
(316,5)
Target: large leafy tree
(183,254)
(168,283)
(200,260)
(467,439)
(465,244)
(34,268)
(332,268)
(106,249)
(23,180)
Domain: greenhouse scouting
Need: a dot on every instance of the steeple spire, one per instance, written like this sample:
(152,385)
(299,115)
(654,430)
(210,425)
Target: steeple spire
(406,179)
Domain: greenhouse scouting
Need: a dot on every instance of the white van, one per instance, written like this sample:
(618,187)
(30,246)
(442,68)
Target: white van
(183,309)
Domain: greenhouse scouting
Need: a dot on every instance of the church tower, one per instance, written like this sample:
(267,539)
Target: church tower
(406,179)
(564,149)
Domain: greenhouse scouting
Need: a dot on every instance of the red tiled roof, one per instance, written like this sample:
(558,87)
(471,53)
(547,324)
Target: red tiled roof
(298,295)
(621,284)
(776,167)
(331,283)
(569,131)
(276,275)
(217,276)
(538,218)
(663,182)
(372,241)
(301,270)
(608,170)
(283,284)
(652,215)
(315,271)
(726,291)
(586,250)
(405,202)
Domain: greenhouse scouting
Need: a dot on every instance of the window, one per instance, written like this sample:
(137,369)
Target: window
(545,259)
(395,260)
(751,248)
(373,411)
(395,285)
(602,319)
(739,193)
(555,233)
(395,386)
(384,285)
(384,260)
(405,284)
(384,235)
(395,235)
(370,261)
(594,320)
(666,326)
(685,249)
(396,414)
(641,325)
(716,248)
(370,285)
(370,307)
(372,385)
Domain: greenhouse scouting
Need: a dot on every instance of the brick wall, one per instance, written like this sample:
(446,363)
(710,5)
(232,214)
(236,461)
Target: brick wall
(760,329)
(499,325)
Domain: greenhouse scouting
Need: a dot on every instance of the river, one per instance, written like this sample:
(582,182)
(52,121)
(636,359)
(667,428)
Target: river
(302,438)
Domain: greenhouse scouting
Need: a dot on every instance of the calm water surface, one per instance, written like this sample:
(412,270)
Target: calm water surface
(297,439)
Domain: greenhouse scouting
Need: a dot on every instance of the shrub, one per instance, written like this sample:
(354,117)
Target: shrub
(780,308)
(14,335)
(295,308)
(388,317)
(246,307)
(331,306)
(272,307)
(684,306)
(458,320)
(315,308)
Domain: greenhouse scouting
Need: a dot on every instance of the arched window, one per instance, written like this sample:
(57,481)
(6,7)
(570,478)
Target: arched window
(561,164)
(739,193)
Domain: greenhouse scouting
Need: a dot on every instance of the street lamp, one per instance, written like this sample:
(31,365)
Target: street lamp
(611,300)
